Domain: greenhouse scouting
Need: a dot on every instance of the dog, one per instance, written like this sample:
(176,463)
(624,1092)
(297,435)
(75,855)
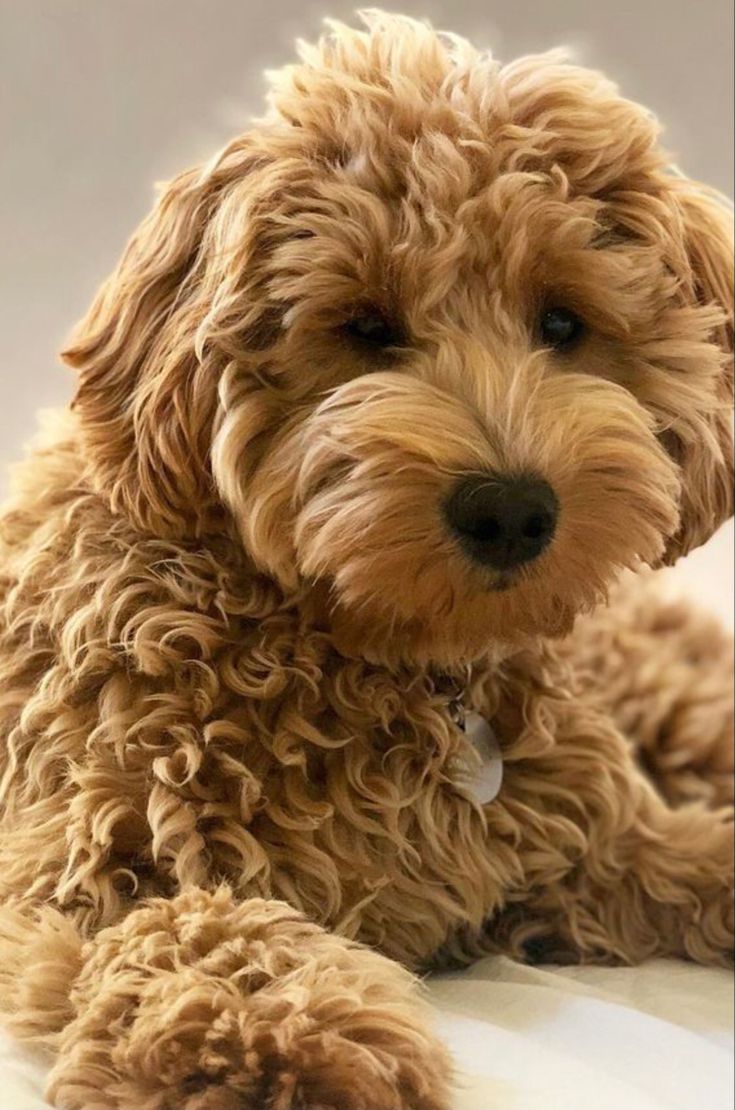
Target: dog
(373,422)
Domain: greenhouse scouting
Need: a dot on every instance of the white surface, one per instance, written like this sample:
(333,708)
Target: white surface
(658,1037)
(22,1077)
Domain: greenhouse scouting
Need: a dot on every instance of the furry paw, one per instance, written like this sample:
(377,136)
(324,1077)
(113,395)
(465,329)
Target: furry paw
(370,1064)
(200,1003)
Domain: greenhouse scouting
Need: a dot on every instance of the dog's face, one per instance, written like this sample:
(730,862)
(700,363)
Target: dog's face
(446,339)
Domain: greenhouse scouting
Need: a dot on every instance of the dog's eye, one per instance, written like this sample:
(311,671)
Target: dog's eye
(373,328)
(560,327)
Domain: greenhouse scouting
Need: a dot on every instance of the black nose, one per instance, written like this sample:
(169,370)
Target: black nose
(502,520)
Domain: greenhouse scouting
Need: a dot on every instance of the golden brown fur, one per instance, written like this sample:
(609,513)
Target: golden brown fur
(233,620)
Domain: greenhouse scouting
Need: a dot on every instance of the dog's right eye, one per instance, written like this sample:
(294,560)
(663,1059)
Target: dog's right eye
(373,329)
(560,328)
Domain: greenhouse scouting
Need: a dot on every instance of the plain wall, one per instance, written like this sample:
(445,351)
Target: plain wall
(99,98)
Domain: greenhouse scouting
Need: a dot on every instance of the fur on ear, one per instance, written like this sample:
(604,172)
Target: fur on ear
(160,333)
(706,460)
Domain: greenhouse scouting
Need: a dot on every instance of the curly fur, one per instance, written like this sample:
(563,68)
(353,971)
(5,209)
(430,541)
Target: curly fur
(233,621)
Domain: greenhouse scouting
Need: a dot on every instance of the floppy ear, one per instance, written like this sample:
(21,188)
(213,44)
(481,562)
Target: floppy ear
(151,350)
(706,457)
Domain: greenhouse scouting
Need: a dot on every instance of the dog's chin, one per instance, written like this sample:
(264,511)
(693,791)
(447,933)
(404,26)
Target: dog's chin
(458,627)
(500,583)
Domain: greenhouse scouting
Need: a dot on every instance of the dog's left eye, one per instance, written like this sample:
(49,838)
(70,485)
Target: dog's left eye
(560,327)
(373,329)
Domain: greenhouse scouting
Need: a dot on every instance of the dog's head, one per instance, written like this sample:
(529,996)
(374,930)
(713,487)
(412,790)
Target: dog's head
(447,338)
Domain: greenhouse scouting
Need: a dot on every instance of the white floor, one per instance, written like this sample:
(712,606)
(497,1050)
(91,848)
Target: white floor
(658,1037)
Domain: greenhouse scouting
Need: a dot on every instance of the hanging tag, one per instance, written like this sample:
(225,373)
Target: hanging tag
(482,780)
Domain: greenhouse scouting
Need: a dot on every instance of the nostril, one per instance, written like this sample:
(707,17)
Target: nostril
(536,526)
(485,529)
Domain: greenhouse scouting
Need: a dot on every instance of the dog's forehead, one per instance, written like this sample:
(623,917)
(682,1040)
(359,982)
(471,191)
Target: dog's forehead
(437,125)
(460,212)
(472,184)
(410,180)
(450,169)
(445,155)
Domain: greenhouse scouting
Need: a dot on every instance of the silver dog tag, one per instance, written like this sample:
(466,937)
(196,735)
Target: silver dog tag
(483,780)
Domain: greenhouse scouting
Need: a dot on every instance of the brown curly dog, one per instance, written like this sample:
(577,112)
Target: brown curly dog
(376,403)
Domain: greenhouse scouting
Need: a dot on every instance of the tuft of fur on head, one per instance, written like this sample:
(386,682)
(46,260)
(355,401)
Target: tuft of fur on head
(401,172)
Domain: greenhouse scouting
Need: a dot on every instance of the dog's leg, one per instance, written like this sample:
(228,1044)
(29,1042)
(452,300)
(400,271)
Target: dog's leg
(663,669)
(642,879)
(666,889)
(203,1003)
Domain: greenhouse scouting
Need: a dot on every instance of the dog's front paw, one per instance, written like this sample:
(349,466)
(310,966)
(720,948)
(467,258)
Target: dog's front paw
(201,1003)
(345,1046)
(341,1052)
(373,1061)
